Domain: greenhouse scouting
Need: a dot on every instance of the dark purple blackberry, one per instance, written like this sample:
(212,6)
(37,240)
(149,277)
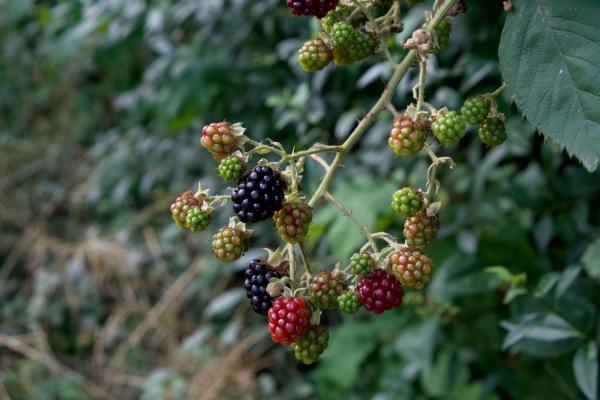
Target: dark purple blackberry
(258,276)
(318,8)
(258,194)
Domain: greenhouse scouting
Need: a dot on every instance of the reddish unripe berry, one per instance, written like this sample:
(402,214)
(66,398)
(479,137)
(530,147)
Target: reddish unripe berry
(379,291)
(289,318)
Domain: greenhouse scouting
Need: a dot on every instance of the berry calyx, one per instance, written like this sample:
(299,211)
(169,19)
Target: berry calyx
(197,219)
(348,303)
(232,168)
(411,266)
(492,132)
(442,35)
(258,195)
(258,275)
(230,243)
(324,290)
(293,220)
(475,110)
(289,318)
(338,15)
(314,55)
(407,136)
(407,201)
(181,206)
(219,139)
(350,45)
(379,291)
(420,230)
(312,344)
(449,127)
(318,8)
(361,264)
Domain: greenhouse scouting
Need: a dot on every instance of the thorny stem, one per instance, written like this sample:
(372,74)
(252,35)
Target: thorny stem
(305,258)
(497,92)
(422,75)
(292,259)
(433,183)
(348,214)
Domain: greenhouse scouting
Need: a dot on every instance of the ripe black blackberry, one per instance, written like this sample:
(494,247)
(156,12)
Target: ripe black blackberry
(318,8)
(258,275)
(258,195)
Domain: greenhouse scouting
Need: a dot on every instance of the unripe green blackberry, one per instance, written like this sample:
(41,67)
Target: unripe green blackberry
(492,132)
(324,290)
(411,267)
(181,206)
(348,303)
(338,15)
(475,110)
(197,219)
(232,168)
(314,55)
(449,127)
(407,201)
(442,35)
(361,264)
(350,45)
(293,220)
(420,230)
(407,136)
(311,344)
(229,244)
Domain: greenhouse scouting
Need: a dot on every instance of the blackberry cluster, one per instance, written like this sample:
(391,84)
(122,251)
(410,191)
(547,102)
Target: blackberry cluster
(348,303)
(407,136)
(318,8)
(181,206)
(197,219)
(229,244)
(218,139)
(232,168)
(289,318)
(420,230)
(314,55)
(492,132)
(338,15)
(449,127)
(258,275)
(324,290)
(407,201)
(312,344)
(475,110)
(350,45)
(258,195)
(361,264)
(412,267)
(379,291)
(293,220)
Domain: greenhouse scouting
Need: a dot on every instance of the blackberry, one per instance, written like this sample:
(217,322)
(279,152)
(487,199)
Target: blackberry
(324,290)
(407,202)
(229,244)
(361,264)
(407,136)
(492,132)
(258,275)
(219,139)
(197,219)
(442,35)
(475,110)
(312,344)
(318,8)
(258,194)
(350,45)
(379,291)
(338,15)
(348,303)
(411,266)
(420,230)
(293,220)
(314,55)
(232,168)
(289,318)
(182,205)
(449,127)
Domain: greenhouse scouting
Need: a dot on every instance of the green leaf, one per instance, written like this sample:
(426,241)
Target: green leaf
(585,367)
(591,259)
(549,56)
(546,283)
(501,272)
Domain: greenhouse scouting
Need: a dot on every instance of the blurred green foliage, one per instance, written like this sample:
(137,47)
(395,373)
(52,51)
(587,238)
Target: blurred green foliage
(101,103)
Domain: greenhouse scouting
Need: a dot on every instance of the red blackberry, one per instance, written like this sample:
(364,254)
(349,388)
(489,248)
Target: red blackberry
(289,318)
(312,344)
(318,8)
(420,230)
(324,290)
(293,220)
(219,139)
(411,266)
(407,136)
(230,243)
(379,291)
(181,206)
(258,275)
(258,195)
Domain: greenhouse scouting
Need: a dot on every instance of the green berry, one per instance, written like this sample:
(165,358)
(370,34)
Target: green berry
(449,127)
(181,206)
(348,303)
(293,220)
(314,55)
(229,244)
(420,230)
(197,219)
(311,344)
(407,201)
(338,15)
(492,132)
(232,168)
(411,267)
(407,136)
(350,45)
(442,35)
(475,110)
(324,290)
(361,264)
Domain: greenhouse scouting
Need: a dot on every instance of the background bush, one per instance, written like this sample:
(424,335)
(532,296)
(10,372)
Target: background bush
(101,296)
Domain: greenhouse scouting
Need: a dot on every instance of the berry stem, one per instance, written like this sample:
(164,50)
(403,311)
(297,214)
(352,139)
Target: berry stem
(422,77)
(347,213)
(292,259)
(305,258)
(316,149)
